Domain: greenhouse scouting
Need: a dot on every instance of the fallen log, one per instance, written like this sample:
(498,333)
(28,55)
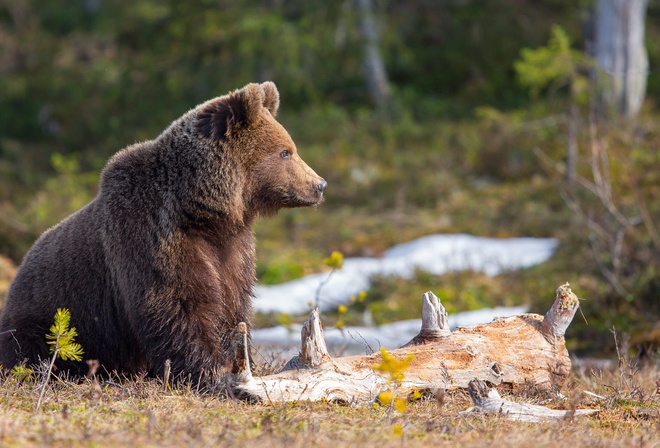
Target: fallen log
(489,401)
(520,351)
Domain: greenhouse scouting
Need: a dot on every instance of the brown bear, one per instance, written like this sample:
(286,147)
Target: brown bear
(160,265)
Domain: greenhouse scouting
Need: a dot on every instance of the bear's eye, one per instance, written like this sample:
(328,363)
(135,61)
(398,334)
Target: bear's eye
(285,154)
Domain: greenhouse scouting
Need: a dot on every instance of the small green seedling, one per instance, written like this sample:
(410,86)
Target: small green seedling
(62,345)
(21,373)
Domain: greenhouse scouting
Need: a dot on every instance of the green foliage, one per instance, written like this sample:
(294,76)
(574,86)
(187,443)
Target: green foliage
(22,373)
(90,78)
(61,337)
(64,193)
(61,340)
(284,319)
(279,272)
(554,65)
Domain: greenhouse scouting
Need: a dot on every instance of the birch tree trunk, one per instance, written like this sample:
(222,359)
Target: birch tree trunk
(621,54)
(374,68)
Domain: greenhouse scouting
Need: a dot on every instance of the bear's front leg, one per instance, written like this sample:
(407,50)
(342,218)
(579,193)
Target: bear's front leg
(188,336)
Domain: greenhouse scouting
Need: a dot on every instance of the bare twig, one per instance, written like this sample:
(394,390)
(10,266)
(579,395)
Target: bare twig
(644,212)
(460,414)
(48,373)
(363,342)
(119,386)
(14,223)
(561,169)
(601,188)
(166,377)
(609,275)
(321,285)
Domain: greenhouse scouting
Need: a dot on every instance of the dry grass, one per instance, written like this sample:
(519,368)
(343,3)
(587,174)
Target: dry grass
(142,414)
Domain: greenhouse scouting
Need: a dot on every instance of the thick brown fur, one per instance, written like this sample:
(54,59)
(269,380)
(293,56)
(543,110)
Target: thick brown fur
(160,265)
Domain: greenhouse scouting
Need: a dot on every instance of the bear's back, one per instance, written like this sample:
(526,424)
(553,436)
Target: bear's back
(66,268)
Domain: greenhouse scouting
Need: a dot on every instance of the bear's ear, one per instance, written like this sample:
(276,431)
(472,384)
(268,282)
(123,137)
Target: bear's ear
(239,109)
(271,97)
(245,105)
(213,120)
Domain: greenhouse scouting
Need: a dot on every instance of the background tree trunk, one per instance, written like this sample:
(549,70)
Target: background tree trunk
(621,54)
(374,68)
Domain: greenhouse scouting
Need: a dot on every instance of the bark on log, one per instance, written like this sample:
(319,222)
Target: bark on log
(520,351)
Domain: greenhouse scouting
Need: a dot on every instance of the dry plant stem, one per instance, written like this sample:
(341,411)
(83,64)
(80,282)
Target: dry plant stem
(520,351)
(601,187)
(47,374)
(489,401)
(646,216)
(561,169)
(13,223)
(627,368)
(596,234)
(168,370)
(571,143)
(321,285)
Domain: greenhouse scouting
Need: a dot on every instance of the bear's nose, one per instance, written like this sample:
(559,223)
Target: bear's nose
(322,185)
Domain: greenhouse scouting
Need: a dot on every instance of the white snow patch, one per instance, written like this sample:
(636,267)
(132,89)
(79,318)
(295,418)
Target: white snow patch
(356,340)
(437,254)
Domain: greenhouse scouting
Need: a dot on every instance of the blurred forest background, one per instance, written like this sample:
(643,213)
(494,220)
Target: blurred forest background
(474,116)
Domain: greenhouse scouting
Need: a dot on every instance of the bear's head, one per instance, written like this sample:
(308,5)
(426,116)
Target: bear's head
(241,127)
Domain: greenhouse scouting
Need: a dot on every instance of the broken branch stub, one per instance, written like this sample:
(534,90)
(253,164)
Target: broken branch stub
(519,351)
(435,322)
(313,351)
(241,371)
(561,314)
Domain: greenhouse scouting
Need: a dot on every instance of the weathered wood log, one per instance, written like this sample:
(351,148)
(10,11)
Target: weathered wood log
(489,401)
(526,350)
